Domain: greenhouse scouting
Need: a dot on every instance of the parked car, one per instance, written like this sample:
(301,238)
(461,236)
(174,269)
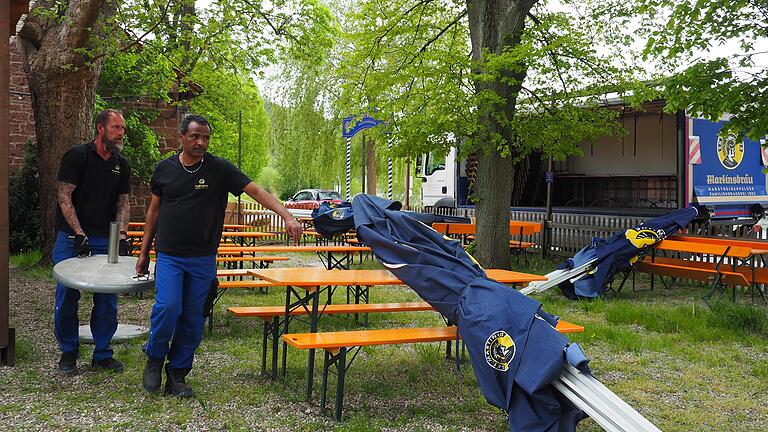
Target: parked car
(311,198)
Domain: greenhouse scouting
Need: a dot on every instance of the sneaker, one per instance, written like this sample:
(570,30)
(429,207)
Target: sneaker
(68,363)
(109,364)
(176,385)
(152,377)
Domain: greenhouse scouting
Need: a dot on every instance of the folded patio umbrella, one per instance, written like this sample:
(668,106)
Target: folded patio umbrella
(515,350)
(590,271)
(330,219)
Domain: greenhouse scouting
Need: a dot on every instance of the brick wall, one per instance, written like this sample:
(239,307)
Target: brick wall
(166,125)
(21,116)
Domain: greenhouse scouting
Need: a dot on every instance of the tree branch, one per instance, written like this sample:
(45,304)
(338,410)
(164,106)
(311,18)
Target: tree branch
(445,29)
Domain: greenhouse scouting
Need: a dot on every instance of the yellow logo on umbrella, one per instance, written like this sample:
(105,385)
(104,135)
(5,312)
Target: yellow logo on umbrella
(500,350)
(729,151)
(641,236)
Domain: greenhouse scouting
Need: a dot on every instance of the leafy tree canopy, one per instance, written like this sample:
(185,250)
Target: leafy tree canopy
(409,60)
(707,54)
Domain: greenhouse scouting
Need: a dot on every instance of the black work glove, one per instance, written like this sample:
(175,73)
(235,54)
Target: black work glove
(124,248)
(81,246)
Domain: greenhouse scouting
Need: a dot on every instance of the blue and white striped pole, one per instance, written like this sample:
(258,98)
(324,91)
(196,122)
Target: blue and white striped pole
(349,169)
(389,170)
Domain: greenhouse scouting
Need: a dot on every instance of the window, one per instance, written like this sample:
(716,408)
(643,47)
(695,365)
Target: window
(303,196)
(435,162)
(329,195)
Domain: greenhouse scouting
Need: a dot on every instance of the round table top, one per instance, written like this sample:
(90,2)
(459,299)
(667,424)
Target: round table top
(95,274)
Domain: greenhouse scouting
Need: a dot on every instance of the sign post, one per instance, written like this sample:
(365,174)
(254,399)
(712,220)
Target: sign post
(365,122)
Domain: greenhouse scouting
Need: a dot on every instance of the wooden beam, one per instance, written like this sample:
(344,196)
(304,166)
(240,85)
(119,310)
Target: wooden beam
(7,342)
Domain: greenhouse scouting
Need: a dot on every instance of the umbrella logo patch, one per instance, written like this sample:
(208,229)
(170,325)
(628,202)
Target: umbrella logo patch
(499,350)
(729,152)
(642,236)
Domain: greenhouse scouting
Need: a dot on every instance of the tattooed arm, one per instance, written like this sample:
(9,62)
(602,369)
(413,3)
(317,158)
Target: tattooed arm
(123,212)
(67,208)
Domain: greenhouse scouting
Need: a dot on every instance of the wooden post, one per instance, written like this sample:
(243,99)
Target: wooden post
(7,335)
(546,232)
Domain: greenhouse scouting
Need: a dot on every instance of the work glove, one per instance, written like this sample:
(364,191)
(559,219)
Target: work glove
(124,249)
(81,246)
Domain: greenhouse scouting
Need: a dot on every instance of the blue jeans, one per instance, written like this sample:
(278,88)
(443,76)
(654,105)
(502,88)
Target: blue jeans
(103,314)
(182,286)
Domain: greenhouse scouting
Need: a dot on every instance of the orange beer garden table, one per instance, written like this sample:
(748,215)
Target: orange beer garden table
(313,281)
(227,227)
(324,252)
(516,228)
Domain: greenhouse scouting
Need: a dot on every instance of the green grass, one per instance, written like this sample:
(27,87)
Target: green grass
(685,364)
(25,259)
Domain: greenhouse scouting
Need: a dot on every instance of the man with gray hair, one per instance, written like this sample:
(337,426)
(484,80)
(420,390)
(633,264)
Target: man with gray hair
(93,185)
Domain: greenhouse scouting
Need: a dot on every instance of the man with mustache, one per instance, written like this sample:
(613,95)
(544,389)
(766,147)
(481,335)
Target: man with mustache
(94,183)
(189,196)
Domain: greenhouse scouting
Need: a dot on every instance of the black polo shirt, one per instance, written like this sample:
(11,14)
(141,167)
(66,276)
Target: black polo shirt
(192,204)
(98,183)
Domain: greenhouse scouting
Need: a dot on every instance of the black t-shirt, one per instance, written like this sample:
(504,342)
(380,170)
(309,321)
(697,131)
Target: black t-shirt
(98,183)
(192,204)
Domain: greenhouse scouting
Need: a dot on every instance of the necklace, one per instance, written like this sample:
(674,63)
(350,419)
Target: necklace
(194,170)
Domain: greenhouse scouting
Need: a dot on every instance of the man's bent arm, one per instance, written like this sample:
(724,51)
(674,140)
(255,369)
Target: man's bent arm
(123,212)
(64,192)
(292,226)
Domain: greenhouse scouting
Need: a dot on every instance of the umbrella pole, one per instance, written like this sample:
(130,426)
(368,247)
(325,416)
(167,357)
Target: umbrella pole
(605,407)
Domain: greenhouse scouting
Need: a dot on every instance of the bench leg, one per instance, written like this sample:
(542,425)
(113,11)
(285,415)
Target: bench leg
(264,340)
(311,354)
(285,326)
(458,360)
(324,388)
(341,365)
(275,345)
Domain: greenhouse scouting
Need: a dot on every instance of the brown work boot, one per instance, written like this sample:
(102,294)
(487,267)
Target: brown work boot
(175,384)
(153,375)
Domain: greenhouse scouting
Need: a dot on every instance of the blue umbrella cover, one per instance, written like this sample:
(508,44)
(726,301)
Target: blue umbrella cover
(515,351)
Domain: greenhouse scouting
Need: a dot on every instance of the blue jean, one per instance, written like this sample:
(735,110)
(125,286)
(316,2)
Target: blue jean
(182,286)
(103,314)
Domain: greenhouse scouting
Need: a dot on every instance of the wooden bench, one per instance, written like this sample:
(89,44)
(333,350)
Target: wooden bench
(336,345)
(720,273)
(271,315)
(263,261)
(707,272)
(262,285)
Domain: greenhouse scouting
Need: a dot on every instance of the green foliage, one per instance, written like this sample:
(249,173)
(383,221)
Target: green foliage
(269,179)
(705,53)
(410,62)
(25,232)
(136,73)
(226,94)
(140,141)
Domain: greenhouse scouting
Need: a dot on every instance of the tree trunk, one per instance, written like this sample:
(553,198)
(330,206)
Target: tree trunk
(370,163)
(63,89)
(493,26)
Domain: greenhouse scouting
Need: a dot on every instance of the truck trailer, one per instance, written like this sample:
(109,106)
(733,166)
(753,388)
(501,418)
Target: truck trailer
(663,162)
